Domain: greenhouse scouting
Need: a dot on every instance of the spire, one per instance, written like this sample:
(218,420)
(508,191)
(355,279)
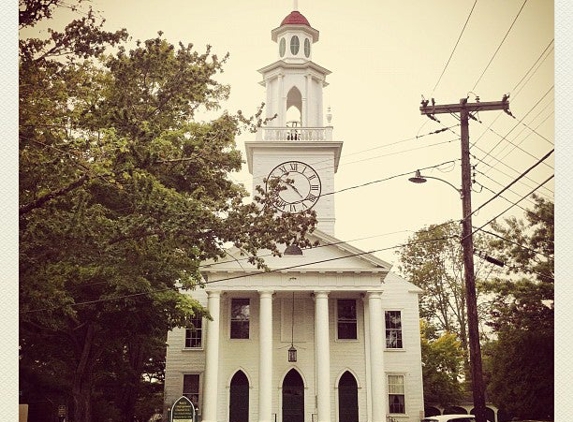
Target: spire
(295,5)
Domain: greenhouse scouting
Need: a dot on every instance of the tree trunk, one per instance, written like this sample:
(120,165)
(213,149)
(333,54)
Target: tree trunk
(136,357)
(83,376)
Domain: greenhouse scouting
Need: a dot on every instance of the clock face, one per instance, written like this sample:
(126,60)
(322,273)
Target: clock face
(302,186)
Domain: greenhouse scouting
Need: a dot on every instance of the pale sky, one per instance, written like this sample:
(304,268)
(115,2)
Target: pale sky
(384,55)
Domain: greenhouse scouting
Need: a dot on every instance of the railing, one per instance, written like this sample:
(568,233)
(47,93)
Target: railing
(295,134)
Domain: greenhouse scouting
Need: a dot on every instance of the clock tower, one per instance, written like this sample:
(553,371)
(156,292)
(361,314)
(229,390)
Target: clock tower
(296,145)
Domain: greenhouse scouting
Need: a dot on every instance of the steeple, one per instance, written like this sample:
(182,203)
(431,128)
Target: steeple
(296,144)
(294,82)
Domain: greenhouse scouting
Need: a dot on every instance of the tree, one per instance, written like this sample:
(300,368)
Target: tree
(432,260)
(122,195)
(442,364)
(521,362)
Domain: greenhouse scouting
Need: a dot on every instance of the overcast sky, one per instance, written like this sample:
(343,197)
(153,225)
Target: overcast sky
(384,56)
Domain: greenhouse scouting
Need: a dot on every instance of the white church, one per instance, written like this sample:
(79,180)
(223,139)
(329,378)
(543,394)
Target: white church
(330,334)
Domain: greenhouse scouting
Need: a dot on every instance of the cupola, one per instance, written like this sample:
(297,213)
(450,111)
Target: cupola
(295,37)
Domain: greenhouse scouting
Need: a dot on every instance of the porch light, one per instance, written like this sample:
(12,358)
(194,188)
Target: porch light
(292,353)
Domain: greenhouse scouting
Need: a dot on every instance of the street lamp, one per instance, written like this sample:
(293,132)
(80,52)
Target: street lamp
(418,178)
(478,386)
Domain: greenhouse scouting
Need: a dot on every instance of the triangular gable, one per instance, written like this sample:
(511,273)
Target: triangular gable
(331,255)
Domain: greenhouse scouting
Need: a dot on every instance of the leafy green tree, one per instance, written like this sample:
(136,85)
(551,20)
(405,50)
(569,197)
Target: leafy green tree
(122,195)
(442,364)
(432,260)
(521,362)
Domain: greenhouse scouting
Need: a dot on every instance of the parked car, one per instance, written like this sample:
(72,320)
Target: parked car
(450,418)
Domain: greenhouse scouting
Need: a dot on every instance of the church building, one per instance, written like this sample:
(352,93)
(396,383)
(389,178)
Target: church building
(330,334)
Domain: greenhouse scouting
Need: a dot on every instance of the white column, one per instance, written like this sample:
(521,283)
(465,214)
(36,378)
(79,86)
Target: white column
(306,95)
(378,375)
(322,348)
(211,359)
(281,101)
(265,355)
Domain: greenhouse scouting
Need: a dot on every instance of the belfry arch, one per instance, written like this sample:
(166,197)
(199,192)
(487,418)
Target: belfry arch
(294,107)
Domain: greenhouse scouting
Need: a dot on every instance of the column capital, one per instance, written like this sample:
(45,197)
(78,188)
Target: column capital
(266,292)
(321,293)
(371,295)
(214,293)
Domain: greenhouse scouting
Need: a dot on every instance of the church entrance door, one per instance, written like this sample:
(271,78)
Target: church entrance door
(293,397)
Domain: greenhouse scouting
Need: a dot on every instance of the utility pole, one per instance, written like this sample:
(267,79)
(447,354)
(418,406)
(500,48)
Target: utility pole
(464,109)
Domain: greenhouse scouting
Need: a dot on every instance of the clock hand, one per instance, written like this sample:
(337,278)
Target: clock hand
(296,190)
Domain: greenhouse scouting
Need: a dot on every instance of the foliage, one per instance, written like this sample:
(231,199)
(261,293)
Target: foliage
(442,363)
(122,195)
(520,363)
(432,260)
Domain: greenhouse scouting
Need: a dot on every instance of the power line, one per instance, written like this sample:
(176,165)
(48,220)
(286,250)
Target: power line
(385,179)
(505,174)
(512,205)
(502,138)
(290,267)
(516,94)
(514,181)
(455,46)
(501,196)
(511,241)
(498,48)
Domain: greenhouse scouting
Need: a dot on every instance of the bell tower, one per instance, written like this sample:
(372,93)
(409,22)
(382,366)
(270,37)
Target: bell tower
(296,144)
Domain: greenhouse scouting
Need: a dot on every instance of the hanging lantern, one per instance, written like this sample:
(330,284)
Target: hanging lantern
(292,354)
(292,349)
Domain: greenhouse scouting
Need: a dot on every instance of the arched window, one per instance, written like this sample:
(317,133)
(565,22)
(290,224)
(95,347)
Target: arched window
(294,107)
(293,397)
(239,398)
(307,47)
(294,45)
(347,398)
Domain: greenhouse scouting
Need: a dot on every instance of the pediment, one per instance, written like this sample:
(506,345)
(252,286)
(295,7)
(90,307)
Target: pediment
(331,255)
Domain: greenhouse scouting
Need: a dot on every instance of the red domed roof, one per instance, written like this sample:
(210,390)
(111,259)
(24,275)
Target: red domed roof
(295,18)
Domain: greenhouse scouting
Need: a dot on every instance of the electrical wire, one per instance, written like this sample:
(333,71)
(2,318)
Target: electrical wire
(499,47)
(516,94)
(502,137)
(384,179)
(514,181)
(514,204)
(455,47)
(275,270)
(507,175)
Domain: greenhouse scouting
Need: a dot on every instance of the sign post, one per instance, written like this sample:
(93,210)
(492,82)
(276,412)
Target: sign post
(182,410)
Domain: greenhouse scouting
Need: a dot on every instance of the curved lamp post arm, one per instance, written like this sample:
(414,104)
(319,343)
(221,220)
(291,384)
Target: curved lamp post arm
(418,178)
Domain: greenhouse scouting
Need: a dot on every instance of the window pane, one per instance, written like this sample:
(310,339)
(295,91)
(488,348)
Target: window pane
(393,329)
(347,326)
(294,45)
(396,394)
(347,331)
(240,314)
(194,335)
(306,47)
(191,388)
(397,404)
